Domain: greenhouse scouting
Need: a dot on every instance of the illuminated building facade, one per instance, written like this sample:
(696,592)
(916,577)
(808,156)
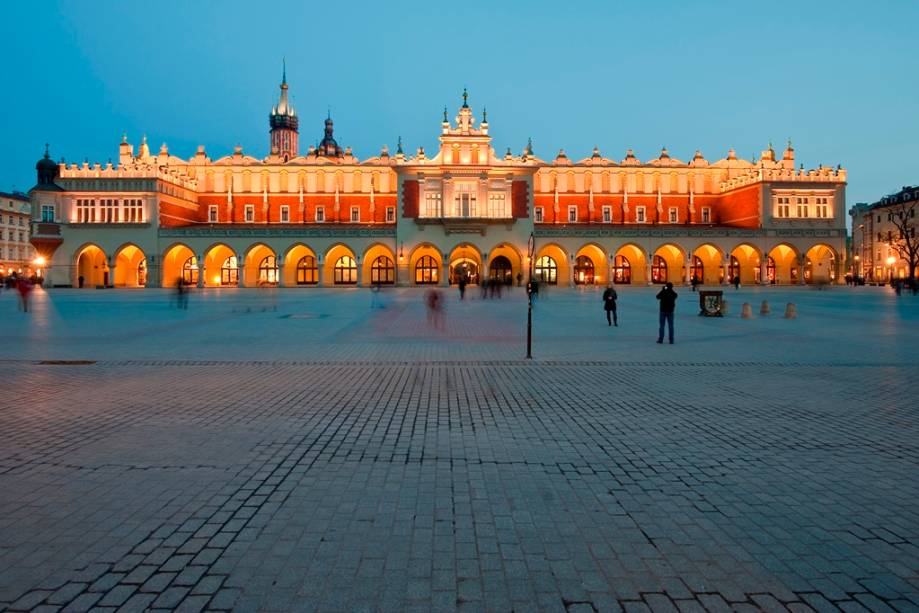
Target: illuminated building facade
(323,217)
(875,233)
(16,253)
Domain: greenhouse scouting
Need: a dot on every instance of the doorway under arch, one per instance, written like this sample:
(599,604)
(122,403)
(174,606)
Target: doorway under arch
(92,267)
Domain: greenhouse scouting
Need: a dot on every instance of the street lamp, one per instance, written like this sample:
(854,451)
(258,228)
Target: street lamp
(531,247)
(890,262)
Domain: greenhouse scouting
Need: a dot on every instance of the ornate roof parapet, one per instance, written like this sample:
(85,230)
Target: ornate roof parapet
(821,174)
(630,159)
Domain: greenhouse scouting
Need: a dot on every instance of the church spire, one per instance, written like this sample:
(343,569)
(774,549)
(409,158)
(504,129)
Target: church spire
(284,122)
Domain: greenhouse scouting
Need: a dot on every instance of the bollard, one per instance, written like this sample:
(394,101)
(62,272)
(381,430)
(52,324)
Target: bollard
(764,308)
(724,307)
(790,311)
(746,311)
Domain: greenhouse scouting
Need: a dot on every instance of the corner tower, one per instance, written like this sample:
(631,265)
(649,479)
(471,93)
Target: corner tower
(284,124)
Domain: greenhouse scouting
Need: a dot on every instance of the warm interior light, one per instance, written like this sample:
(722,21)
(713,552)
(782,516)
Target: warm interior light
(217,280)
(891,261)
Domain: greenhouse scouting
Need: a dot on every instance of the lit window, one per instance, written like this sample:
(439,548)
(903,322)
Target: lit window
(212,213)
(320,214)
(250,213)
(47,213)
(497,205)
(464,200)
(572,214)
(546,270)
(382,271)
(390,213)
(432,205)
(673,215)
(783,209)
(285,214)
(607,214)
(268,271)
(345,271)
(538,215)
(355,214)
(307,271)
(640,214)
(706,215)
(802,207)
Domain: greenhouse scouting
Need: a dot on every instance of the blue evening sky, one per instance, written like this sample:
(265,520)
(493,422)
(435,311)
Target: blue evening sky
(839,78)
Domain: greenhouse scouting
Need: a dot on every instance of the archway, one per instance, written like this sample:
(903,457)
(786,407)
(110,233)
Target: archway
(785,258)
(301,267)
(179,262)
(551,266)
(706,265)
(92,266)
(668,264)
(505,261)
(340,266)
(379,266)
(629,265)
(130,267)
(745,260)
(589,265)
(221,268)
(425,265)
(820,264)
(261,266)
(465,262)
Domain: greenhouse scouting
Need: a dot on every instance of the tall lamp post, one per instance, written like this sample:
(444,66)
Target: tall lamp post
(890,262)
(531,247)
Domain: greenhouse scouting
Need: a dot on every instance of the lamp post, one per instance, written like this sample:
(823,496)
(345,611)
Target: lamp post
(890,262)
(531,246)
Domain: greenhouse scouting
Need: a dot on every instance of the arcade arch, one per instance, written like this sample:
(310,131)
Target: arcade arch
(260,267)
(425,265)
(92,266)
(130,267)
(551,266)
(629,265)
(465,261)
(668,265)
(340,266)
(707,265)
(745,260)
(179,262)
(379,266)
(820,264)
(589,266)
(785,259)
(301,267)
(221,267)
(504,260)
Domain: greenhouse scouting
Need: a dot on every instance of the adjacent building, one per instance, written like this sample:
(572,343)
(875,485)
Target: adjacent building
(876,232)
(16,252)
(323,217)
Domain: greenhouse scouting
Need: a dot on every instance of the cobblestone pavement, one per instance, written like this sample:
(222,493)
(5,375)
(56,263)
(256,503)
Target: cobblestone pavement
(469,484)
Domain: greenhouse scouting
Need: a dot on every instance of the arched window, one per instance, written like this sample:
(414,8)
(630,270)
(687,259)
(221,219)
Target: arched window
(142,273)
(583,270)
(426,271)
(500,268)
(770,269)
(307,271)
(268,270)
(345,271)
(546,270)
(697,269)
(229,272)
(382,270)
(622,270)
(734,269)
(658,269)
(190,271)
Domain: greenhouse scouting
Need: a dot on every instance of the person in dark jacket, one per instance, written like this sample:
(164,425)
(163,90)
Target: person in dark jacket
(609,305)
(667,298)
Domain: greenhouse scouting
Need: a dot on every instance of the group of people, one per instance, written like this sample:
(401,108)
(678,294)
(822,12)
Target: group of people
(696,282)
(667,303)
(23,285)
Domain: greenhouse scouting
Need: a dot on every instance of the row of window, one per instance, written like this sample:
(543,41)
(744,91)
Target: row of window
(13,253)
(821,208)
(889,237)
(11,235)
(465,204)
(13,221)
(546,270)
(382,271)
(213,214)
(673,214)
(103,210)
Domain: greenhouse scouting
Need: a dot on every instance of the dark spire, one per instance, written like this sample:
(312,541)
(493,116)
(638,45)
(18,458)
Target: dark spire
(284,71)
(445,114)
(399,146)
(465,98)
(484,115)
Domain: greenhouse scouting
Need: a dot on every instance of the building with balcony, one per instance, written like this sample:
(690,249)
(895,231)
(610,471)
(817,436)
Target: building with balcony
(876,234)
(323,217)
(16,252)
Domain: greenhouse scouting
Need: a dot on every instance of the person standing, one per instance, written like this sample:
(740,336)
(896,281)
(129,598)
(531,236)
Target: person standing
(609,305)
(667,298)
(737,282)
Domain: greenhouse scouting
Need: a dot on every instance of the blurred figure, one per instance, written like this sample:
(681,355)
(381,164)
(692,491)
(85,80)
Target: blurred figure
(434,302)
(462,287)
(375,296)
(181,294)
(24,287)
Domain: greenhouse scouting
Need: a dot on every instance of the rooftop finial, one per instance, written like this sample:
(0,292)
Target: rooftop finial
(465,98)
(399,146)
(484,115)
(47,155)
(284,71)
(445,114)
(124,137)
(789,142)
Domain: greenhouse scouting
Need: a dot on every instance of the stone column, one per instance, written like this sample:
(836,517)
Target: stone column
(319,275)
(648,264)
(357,261)
(764,270)
(201,270)
(727,270)
(445,275)
(111,271)
(280,262)
(801,262)
(241,270)
(688,274)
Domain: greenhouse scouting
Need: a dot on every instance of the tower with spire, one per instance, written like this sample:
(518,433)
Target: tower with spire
(284,124)
(328,146)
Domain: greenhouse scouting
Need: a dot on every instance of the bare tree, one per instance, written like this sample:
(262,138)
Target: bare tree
(903,239)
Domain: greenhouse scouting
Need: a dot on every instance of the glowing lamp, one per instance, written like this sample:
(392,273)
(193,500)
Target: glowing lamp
(217,280)
(39,262)
(891,261)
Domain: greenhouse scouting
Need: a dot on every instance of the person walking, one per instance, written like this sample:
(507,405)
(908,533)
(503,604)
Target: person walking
(736,282)
(667,298)
(609,305)
(462,287)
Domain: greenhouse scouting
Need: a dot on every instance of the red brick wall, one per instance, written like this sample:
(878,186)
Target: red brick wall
(410,196)
(740,208)
(520,192)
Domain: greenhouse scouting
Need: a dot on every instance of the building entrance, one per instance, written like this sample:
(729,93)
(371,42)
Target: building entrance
(464,268)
